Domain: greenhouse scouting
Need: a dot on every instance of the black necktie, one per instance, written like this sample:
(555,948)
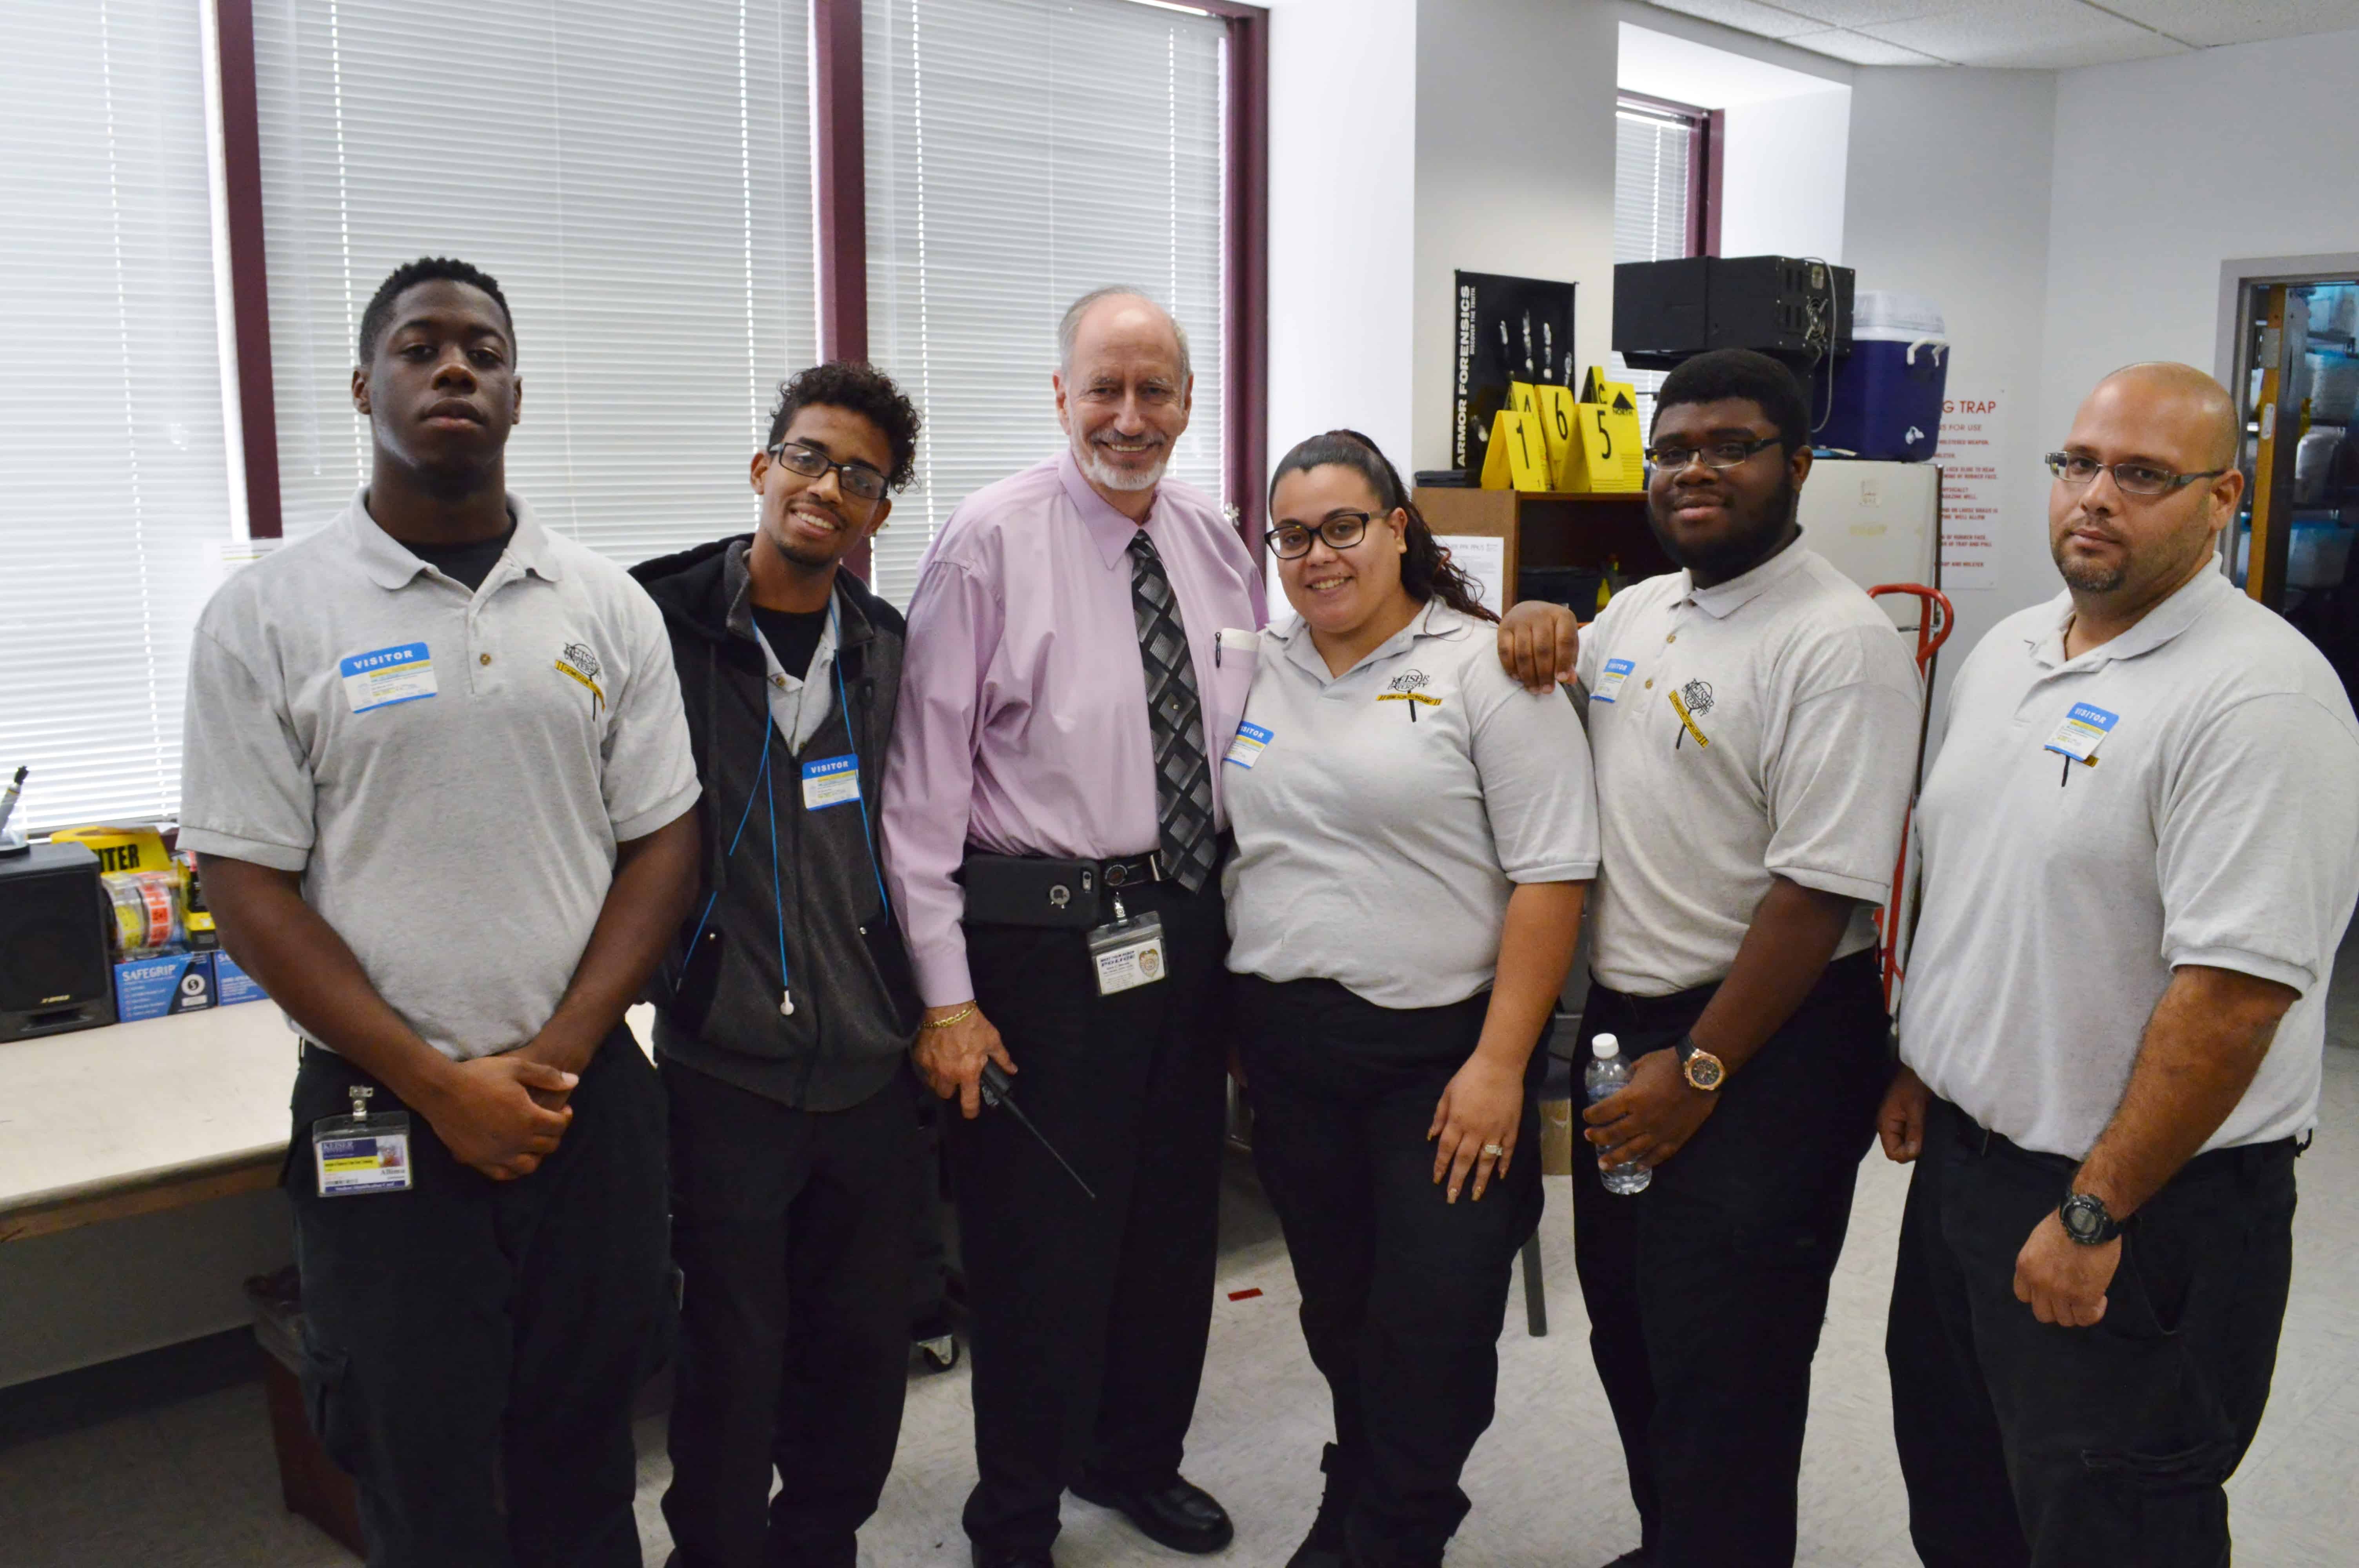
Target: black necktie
(1183,776)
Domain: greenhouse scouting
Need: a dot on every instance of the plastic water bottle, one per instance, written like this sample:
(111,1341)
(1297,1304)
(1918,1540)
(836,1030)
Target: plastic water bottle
(1609,1075)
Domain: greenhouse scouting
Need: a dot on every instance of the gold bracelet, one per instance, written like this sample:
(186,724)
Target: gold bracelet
(961,1016)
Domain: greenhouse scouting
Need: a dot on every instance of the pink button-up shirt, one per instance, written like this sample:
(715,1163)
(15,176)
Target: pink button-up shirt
(1022,727)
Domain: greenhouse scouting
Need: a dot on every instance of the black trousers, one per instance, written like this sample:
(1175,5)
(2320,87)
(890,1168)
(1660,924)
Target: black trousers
(1090,1317)
(792,1230)
(473,1346)
(2023,1442)
(1706,1292)
(1403,1294)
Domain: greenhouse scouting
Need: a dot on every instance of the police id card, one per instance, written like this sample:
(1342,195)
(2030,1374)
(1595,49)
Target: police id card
(1127,952)
(357,1154)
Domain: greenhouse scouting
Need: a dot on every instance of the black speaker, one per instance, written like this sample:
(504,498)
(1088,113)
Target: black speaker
(54,973)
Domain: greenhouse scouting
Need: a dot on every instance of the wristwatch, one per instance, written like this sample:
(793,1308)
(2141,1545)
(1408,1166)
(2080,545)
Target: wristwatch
(1701,1069)
(2085,1220)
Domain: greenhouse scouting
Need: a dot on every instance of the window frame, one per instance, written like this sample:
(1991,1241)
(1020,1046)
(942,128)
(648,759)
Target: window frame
(838,187)
(1707,142)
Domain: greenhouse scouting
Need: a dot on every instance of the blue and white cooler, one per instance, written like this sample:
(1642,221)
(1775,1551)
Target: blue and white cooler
(1886,403)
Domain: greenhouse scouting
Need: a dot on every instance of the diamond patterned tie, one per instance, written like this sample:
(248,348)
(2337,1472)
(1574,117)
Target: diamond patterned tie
(1183,774)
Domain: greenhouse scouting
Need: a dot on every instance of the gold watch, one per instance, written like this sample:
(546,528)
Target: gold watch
(1701,1069)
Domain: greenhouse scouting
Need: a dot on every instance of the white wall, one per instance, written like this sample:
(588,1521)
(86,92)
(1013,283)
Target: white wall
(2165,169)
(1342,119)
(1515,173)
(1782,186)
(1949,196)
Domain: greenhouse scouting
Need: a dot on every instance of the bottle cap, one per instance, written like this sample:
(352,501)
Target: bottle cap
(1605,1047)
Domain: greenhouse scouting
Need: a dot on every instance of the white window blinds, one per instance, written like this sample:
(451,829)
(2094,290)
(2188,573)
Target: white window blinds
(1019,154)
(1650,209)
(113,475)
(635,174)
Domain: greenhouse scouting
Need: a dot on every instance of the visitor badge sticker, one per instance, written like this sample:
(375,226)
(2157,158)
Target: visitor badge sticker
(387,676)
(831,781)
(1609,681)
(1251,741)
(2082,729)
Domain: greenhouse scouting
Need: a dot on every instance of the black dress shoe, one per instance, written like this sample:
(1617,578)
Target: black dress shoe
(1011,1557)
(1175,1514)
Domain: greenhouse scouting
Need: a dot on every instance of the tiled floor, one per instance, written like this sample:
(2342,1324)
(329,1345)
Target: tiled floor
(192,1485)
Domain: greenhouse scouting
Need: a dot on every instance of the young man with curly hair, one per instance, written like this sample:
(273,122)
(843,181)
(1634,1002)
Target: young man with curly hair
(785,1007)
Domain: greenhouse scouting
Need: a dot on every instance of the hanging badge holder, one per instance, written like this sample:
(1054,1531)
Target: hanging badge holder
(362,1154)
(1128,952)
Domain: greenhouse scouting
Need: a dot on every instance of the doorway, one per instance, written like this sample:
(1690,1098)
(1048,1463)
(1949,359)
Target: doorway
(2294,336)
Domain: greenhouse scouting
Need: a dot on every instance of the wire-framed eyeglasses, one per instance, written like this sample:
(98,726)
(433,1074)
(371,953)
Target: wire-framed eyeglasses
(1672,456)
(2131,479)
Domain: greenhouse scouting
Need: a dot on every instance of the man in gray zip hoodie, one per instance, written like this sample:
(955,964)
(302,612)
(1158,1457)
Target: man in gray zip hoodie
(786,1008)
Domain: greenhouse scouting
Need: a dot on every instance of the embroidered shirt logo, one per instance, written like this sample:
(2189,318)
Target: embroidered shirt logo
(1404,688)
(1690,702)
(580,664)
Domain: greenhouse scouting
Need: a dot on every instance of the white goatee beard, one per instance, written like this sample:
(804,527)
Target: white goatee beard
(1100,472)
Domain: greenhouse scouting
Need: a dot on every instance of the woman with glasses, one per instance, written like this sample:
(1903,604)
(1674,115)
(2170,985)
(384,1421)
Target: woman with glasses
(1415,833)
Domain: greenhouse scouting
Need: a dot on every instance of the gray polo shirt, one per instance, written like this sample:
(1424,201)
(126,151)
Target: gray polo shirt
(1383,816)
(2216,822)
(450,771)
(1766,726)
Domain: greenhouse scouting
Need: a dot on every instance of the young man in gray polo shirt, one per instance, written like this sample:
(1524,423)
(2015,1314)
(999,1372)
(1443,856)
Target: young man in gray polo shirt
(437,773)
(1753,723)
(2141,849)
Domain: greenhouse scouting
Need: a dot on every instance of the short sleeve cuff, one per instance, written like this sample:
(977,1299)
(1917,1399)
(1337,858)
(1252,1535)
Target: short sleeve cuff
(641,824)
(1554,871)
(1841,883)
(229,846)
(2244,963)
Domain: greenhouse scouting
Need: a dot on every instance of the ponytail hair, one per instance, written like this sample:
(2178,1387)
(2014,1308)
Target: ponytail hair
(1426,570)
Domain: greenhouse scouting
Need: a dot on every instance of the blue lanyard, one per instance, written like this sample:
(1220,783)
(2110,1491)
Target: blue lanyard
(769,788)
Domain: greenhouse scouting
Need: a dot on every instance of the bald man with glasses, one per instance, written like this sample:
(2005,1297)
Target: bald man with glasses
(2141,850)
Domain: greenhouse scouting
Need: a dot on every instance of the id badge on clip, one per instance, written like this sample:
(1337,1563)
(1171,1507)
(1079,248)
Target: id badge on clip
(1610,679)
(1127,951)
(361,1153)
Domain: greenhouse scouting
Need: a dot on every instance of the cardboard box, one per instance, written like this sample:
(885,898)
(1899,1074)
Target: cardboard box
(232,985)
(153,988)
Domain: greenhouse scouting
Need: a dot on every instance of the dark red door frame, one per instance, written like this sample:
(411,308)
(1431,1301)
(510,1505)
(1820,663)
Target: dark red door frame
(839,179)
(249,277)
(1244,429)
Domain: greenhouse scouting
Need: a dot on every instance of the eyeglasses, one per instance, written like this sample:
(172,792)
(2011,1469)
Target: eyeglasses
(1671,457)
(858,480)
(1341,530)
(2131,479)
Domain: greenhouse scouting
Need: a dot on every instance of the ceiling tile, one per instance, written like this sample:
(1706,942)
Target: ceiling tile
(1766,21)
(1861,12)
(1860,49)
(2212,22)
(2033,34)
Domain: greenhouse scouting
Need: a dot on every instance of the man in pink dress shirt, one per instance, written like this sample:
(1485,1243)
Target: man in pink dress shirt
(1066,700)
(1025,731)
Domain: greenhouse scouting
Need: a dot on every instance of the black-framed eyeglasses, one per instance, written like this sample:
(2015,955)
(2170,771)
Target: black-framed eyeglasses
(1672,456)
(858,479)
(1341,530)
(2130,479)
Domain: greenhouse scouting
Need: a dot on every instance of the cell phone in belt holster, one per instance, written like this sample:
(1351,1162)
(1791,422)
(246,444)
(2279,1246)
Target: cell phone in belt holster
(1025,889)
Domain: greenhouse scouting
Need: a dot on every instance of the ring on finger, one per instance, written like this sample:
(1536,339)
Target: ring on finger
(1493,1151)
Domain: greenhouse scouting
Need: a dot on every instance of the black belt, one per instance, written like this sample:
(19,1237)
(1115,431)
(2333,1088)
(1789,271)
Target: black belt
(1982,1141)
